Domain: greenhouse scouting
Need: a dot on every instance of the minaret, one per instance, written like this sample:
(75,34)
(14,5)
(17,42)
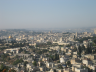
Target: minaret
(32,40)
(76,34)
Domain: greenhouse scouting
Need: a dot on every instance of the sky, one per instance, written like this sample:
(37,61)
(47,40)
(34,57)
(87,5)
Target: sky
(20,14)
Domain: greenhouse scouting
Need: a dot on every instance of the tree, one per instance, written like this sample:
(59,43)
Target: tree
(17,61)
(21,45)
(69,63)
(75,49)
(60,67)
(2,67)
(20,49)
(8,58)
(7,45)
(12,43)
(63,53)
(80,50)
(83,47)
(55,57)
(4,70)
(94,51)
(12,70)
(54,70)
(16,56)
(25,63)
(4,56)
(27,44)
(67,45)
(34,63)
(49,43)
(94,41)
(88,50)
(31,46)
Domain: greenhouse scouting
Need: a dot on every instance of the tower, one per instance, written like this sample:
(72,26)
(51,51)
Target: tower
(94,31)
(76,34)
(61,39)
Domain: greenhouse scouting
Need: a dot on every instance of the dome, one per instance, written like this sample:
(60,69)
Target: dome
(10,36)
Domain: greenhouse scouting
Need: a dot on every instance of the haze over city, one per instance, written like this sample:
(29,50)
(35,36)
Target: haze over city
(47,35)
(22,14)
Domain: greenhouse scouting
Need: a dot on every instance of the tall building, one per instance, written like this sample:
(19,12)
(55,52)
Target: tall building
(61,39)
(94,31)
(76,34)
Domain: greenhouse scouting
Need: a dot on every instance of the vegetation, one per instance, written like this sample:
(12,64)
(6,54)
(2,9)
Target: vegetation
(2,48)
(17,61)
(39,51)
(31,47)
(67,33)
(94,41)
(25,63)
(49,43)
(68,45)
(3,68)
(4,57)
(60,67)
(88,50)
(80,50)
(54,57)
(20,50)
(69,63)
(41,45)
(94,51)
(18,45)
(12,70)
(34,63)
(86,38)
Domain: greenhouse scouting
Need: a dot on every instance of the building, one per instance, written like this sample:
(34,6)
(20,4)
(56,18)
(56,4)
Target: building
(87,62)
(94,31)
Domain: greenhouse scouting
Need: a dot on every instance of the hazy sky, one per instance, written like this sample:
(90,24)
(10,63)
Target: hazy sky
(47,13)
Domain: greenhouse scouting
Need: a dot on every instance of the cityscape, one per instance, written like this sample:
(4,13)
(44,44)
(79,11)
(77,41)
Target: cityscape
(47,35)
(32,51)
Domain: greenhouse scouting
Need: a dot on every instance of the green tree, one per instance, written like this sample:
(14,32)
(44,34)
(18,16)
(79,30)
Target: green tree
(88,50)
(34,63)
(49,43)
(12,70)
(8,58)
(2,67)
(83,47)
(94,51)
(20,49)
(17,61)
(75,49)
(69,63)
(80,50)
(94,41)
(7,45)
(60,67)
(54,70)
(25,63)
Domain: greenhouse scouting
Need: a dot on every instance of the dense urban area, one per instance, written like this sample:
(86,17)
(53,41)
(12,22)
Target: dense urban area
(47,51)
